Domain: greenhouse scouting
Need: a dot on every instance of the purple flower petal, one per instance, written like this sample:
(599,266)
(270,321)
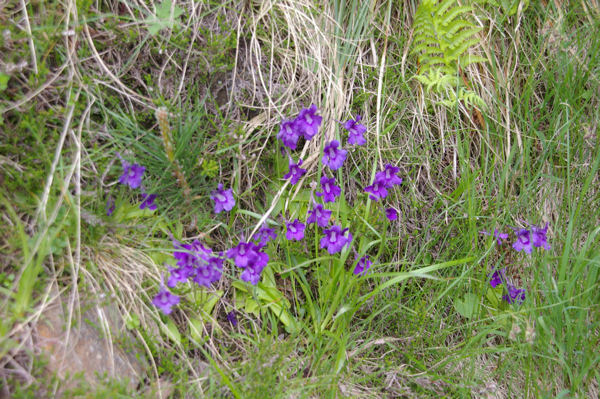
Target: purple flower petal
(515,295)
(523,242)
(243,254)
(308,122)
(376,191)
(320,215)
(148,201)
(497,278)
(289,133)
(538,237)
(232,318)
(164,300)
(110,206)
(295,230)
(391,214)
(295,173)
(335,239)
(223,199)
(251,273)
(355,131)
(362,266)
(334,157)
(388,178)
(209,272)
(132,174)
(500,237)
(330,190)
(177,275)
(264,235)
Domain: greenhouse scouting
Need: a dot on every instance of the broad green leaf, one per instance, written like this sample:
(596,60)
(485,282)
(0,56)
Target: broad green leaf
(467,307)
(171,331)
(163,18)
(196,330)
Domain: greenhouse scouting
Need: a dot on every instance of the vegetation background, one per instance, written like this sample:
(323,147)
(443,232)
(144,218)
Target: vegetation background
(490,108)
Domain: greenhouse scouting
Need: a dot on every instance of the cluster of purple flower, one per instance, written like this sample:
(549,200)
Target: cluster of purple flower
(201,265)
(132,177)
(526,240)
(514,294)
(195,263)
(249,256)
(306,124)
(384,180)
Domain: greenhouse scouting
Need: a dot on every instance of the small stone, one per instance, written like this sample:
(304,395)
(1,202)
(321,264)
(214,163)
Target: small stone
(88,350)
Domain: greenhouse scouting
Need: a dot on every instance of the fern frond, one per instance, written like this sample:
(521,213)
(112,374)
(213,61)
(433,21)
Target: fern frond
(470,59)
(443,6)
(453,13)
(443,35)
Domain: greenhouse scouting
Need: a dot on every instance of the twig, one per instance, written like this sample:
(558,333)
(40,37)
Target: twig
(31,44)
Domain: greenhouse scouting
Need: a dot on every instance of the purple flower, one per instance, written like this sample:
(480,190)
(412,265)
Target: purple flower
(223,199)
(497,277)
(289,133)
(232,318)
(355,131)
(388,177)
(244,254)
(177,275)
(335,239)
(308,122)
(523,242)
(148,201)
(362,266)
(164,300)
(376,191)
(264,235)
(185,259)
(538,237)
(295,173)
(333,156)
(191,253)
(251,274)
(515,295)
(110,206)
(295,230)
(330,190)
(497,235)
(209,272)
(391,214)
(132,174)
(320,215)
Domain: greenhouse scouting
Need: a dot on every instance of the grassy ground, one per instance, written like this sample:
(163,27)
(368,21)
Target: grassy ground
(81,81)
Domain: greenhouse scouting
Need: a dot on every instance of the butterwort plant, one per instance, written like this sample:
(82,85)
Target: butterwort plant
(526,239)
(201,266)
(132,177)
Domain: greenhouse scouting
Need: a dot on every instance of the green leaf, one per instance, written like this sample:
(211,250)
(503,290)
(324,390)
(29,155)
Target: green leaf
(468,306)
(133,322)
(3,81)
(163,18)
(196,328)
(494,296)
(211,300)
(171,331)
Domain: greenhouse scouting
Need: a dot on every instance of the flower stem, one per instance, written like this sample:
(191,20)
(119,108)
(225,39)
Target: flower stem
(165,130)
